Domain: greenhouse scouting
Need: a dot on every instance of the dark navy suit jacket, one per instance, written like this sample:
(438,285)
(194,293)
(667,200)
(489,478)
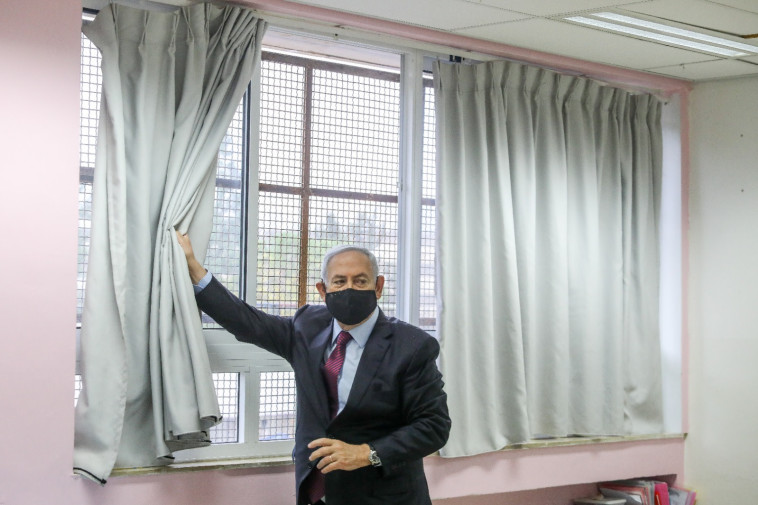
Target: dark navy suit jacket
(396,403)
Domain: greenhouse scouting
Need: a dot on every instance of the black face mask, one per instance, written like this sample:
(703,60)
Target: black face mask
(351,306)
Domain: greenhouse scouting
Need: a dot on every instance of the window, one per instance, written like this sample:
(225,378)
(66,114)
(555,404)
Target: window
(328,173)
(311,159)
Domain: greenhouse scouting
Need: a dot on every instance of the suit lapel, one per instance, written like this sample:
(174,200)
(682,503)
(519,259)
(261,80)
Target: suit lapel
(316,351)
(371,359)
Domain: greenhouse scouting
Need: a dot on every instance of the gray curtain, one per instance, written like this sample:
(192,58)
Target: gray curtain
(548,204)
(171,83)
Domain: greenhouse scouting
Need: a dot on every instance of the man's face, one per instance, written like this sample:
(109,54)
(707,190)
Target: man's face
(350,269)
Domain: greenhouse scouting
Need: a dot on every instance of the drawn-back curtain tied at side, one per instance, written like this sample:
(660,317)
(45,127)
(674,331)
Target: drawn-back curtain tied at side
(171,84)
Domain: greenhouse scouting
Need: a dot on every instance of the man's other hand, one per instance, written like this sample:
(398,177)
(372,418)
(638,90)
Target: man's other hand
(338,455)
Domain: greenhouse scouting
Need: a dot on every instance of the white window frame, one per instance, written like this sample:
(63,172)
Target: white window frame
(226,354)
(229,355)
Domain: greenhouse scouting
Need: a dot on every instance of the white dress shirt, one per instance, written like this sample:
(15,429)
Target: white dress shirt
(353,353)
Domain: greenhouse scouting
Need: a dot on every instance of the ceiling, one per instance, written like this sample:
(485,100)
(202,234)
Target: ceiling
(541,25)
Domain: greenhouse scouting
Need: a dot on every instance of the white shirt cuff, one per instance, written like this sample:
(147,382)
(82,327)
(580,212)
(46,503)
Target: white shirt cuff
(202,283)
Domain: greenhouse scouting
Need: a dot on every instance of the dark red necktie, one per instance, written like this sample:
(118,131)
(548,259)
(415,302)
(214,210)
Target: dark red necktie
(332,369)
(314,483)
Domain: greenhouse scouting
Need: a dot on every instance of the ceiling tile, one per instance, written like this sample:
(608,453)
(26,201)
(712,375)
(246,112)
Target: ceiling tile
(713,69)
(550,7)
(700,13)
(746,5)
(436,14)
(583,43)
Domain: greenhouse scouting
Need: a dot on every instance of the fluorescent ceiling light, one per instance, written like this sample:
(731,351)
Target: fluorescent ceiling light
(676,31)
(667,39)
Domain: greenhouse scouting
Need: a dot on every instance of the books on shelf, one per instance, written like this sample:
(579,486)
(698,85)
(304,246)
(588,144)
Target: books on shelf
(633,495)
(681,496)
(600,500)
(646,492)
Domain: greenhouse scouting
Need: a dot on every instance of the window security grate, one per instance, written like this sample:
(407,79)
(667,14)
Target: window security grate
(277,407)
(227,392)
(428,302)
(89,98)
(224,256)
(328,172)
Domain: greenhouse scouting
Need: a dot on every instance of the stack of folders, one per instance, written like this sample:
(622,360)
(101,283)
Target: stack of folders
(644,492)
(600,500)
(680,496)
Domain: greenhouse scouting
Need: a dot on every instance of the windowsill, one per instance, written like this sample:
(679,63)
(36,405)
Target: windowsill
(285,460)
(209,464)
(589,440)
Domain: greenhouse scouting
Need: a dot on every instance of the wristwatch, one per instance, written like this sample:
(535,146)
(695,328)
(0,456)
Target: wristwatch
(373,457)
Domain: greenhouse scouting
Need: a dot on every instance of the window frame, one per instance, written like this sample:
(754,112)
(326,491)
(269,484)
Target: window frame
(304,191)
(224,349)
(228,355)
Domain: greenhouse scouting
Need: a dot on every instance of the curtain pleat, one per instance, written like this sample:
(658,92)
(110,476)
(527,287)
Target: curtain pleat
(171,84)
(548,201)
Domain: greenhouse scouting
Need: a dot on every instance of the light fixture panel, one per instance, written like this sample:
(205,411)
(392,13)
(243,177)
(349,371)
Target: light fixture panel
(673,30)
(647,29)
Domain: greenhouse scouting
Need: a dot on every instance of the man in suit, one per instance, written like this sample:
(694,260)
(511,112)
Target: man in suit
(370,399)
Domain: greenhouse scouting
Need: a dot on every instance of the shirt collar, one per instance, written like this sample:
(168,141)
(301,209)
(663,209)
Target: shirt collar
(360,333)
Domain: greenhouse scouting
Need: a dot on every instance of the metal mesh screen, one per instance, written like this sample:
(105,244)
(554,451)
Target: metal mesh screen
(278,253)
(355,133)
(277,406)
(90,85)
(225,246)
(91,82)
(282,115)
(366,223)
(227,392)
(428,302)
(329,158)
(85,222)
(77,387)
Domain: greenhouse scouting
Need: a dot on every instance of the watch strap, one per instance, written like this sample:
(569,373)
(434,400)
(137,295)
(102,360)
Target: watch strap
(373,457)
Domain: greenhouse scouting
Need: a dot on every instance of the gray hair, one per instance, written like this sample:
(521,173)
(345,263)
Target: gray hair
(334,251)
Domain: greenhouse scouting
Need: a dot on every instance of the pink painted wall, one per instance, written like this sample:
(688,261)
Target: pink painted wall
(38,215)
(39,93)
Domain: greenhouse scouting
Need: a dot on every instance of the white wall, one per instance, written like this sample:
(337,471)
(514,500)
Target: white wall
(721,450)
